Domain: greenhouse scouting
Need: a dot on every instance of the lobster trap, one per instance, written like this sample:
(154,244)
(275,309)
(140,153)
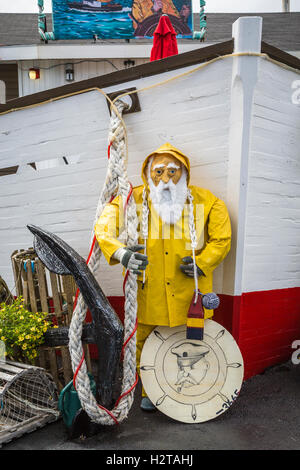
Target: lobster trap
(28,399)
(44,291)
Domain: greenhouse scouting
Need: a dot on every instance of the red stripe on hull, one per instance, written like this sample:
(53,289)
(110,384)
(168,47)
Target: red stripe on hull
(263,323)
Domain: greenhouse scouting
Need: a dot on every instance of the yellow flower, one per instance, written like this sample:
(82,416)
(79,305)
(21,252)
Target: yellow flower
(55,326)
(3,338)
(24,346)
(27,336)
(21,317)
(21,338)
(33,328)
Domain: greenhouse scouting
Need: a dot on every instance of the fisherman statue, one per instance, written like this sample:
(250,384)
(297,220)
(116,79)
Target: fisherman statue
(171,213)
(190,366)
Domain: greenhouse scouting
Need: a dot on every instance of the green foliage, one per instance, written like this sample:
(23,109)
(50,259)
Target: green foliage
(22,331)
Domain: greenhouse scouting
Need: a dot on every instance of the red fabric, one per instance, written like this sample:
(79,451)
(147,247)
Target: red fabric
(164,40)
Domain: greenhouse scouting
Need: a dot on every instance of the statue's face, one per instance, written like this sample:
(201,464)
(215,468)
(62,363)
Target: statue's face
(164,168)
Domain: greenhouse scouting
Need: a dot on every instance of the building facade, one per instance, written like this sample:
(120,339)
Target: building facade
(59,62)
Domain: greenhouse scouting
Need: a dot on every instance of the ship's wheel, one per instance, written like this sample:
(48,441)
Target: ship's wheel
(190,380)
(148,25)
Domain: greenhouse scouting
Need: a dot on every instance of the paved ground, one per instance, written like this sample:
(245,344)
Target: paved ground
(266,416)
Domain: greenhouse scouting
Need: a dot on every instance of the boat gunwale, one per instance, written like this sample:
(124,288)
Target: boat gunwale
(196,56)
(147,69)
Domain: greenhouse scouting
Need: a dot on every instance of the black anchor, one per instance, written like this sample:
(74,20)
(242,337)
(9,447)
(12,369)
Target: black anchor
(106,329)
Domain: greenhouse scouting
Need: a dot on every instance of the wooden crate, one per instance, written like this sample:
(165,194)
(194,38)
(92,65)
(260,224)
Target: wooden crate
(57,361)
(54,294)
(42,290)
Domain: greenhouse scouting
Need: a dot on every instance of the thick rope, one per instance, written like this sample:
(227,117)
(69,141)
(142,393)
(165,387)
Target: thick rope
(116,182)
(45,35)
(145,216)
(201,34)
(193,237)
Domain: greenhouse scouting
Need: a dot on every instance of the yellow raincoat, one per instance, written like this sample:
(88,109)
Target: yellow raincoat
(167,293)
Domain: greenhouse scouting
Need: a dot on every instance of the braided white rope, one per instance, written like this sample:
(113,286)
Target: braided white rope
(145,216)
(192,231)
(116,182)
(45,35)
(193,237)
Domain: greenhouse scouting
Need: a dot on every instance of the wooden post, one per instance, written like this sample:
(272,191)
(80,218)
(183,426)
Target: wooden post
(68,288)
(286,6)
(32,297)
(2,92)
(24,280)
(55,296)
(17,274)
(247,31)
(66,364)
(42,286)
(53,366)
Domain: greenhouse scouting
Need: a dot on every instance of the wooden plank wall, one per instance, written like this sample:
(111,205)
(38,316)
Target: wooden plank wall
(191,112)
(272,228)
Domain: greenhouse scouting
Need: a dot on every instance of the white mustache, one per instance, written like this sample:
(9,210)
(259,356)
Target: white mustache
(166,192)
(169,198)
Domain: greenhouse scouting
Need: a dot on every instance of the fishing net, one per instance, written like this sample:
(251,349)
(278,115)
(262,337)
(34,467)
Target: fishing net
(28,399)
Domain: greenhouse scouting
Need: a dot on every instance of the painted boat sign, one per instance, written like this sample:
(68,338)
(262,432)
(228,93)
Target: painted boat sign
(118,19)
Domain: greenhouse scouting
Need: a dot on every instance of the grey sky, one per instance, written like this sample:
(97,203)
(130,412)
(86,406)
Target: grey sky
(238,6)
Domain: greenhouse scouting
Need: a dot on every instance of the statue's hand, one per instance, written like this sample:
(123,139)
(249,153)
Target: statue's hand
(188,267)
(130,259)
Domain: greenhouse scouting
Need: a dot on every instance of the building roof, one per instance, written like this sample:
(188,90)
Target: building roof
(281,30)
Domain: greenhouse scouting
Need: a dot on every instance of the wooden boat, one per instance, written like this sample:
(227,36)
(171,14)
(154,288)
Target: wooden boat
(236,117)
(95,6)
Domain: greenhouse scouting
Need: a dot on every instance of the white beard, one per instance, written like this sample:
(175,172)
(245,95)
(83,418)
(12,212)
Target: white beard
(168,199)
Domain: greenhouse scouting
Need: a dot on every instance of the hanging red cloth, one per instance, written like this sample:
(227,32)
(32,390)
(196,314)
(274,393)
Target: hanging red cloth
(164,40)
